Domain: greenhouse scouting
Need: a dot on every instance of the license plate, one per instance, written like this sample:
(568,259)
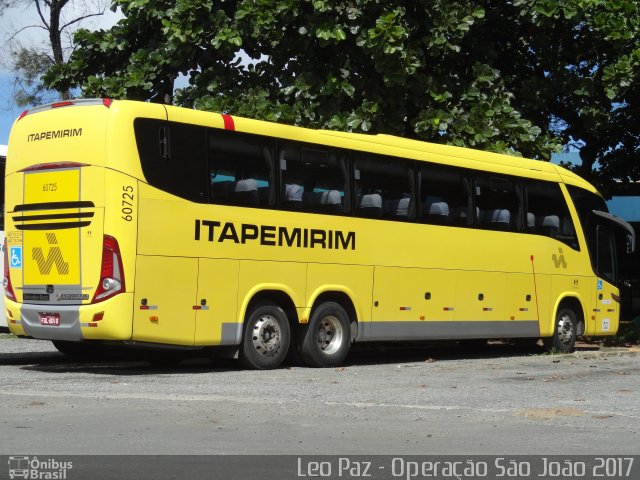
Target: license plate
(52,319)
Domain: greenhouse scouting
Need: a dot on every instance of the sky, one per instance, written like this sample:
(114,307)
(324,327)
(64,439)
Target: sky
(8,113)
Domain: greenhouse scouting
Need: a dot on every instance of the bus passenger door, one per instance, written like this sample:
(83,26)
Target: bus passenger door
(216,304)
(606,310)
(165,293)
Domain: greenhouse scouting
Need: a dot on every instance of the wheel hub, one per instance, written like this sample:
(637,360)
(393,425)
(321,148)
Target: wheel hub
(329,334)
(565,329)
(266,336)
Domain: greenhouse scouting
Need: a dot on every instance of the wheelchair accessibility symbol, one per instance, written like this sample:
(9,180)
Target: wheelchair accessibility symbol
(15,257)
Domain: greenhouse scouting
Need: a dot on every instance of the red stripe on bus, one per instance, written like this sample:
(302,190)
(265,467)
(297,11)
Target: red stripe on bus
(228,122)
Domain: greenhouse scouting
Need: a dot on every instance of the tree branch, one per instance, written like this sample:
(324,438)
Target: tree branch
(15,34)
(79,19)
(44,20)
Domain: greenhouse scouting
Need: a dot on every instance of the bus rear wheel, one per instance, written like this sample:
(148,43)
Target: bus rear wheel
(327,338)
(266,337)
(565,332)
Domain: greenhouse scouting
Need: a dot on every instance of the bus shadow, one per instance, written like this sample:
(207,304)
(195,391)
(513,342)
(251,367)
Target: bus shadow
(449,350)
(124,362)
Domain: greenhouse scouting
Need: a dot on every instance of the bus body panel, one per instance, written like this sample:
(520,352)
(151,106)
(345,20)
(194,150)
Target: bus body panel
(217,319)
(165,293)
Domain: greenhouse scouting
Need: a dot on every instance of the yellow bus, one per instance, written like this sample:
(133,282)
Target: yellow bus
(154,225)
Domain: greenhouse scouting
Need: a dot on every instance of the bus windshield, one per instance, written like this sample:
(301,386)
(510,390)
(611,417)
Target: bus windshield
(602,232)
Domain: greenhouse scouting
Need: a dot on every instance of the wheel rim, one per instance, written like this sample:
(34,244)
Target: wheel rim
(565,329)
(266,336)
(329,335)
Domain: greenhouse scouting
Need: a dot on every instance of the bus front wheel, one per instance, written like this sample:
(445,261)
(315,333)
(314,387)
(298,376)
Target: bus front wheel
(565,332)
(266,337)
(327,337)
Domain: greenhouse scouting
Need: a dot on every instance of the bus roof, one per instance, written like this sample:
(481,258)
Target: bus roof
(380,143)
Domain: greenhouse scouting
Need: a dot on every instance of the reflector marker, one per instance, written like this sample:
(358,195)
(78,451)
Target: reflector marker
(148,307)
(405,308)
(201,307)
(487,309)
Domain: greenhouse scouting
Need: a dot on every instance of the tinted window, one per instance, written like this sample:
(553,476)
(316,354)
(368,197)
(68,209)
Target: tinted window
(241,169)
(585,203)
(444,196)
(384,187)
(548,214)
(497,203)
(173,157)
(606,258)
(313,179)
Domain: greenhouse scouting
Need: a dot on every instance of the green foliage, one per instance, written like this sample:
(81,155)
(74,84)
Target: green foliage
(518,77)
(628,334)
(31,64)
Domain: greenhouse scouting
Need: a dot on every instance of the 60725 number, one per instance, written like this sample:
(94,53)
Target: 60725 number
(127,203)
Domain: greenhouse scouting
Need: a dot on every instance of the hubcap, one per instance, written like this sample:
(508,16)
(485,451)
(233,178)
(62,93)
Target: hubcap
(266,336)
(565,329)
(329,334)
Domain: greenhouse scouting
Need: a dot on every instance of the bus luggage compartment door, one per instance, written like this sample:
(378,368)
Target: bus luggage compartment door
(165,294)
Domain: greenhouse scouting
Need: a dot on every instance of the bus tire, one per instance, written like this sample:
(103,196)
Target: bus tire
(565,332)
(266,337)
(327,338)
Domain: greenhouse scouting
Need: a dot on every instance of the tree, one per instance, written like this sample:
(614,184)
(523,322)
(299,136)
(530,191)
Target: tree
(519,76)
(57,18)
(574,66)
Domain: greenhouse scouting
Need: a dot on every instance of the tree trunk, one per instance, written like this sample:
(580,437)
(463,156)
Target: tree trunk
(55,37)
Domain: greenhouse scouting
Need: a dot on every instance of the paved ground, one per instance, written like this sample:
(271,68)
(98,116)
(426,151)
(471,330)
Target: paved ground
(428,400)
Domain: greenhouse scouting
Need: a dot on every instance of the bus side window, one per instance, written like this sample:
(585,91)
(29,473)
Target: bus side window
(173,157)
(241,169)
(548,214)
(384,187)
(313,179)
(445,197)
(497,203)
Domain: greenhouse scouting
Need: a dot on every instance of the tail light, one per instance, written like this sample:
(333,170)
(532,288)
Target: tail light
(111,271)
(8,288)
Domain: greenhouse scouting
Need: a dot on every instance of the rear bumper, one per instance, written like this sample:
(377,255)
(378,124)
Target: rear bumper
(77,322)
